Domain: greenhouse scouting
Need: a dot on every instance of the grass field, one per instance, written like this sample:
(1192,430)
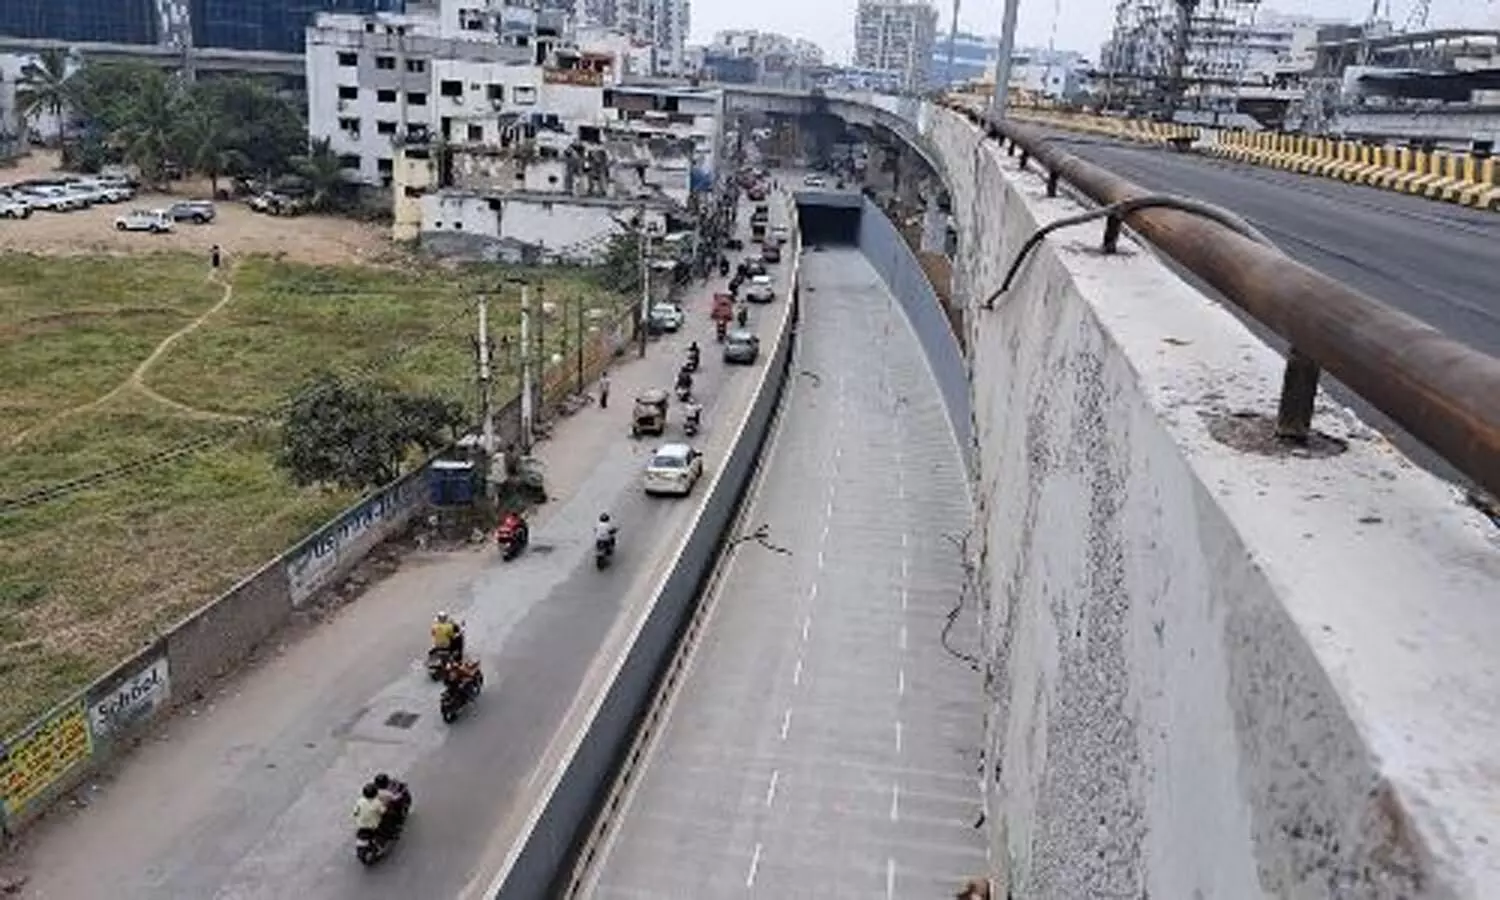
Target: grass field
(86,579)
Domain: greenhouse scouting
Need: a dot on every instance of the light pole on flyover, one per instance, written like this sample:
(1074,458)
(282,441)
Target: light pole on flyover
(1003,59)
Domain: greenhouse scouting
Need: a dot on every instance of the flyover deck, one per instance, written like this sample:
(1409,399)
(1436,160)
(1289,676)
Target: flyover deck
(824,742)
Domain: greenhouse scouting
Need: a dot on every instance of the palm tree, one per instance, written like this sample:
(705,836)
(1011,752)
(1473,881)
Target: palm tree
(151,123)
(203,144)
(45,86)
(324,174)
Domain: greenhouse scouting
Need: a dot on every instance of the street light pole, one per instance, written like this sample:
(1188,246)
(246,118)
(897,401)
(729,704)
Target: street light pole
(1003,59)
(645,282)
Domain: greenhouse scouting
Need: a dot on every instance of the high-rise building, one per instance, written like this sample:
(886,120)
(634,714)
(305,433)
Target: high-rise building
(896,36)
(973,56)
(662,24)
(278,25)
(116,21)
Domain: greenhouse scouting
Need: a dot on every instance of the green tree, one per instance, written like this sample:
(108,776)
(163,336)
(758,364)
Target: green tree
(324,174)
(357,434)
(104,94)
(264,128)
(621,271)
(202,142)
(46,86)
(147,137)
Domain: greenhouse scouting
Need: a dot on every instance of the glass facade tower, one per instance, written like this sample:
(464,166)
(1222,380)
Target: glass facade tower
(267,24)
(112,21)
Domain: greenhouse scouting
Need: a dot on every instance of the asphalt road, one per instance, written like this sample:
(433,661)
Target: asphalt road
(1435,261)
(252,798)
(825,742)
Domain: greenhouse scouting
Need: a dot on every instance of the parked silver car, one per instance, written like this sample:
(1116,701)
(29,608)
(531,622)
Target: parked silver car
(199,211)
(13,207)
(48,197)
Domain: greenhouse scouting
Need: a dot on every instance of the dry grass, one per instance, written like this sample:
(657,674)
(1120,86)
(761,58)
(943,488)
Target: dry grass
(86,580)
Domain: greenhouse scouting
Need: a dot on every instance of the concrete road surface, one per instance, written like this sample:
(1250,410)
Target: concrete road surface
(249,795)
(824,743)
(1434,261)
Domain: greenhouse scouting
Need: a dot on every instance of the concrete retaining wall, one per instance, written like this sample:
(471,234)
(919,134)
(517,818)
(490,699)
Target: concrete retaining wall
(538,867)
(1216,673)
(893,258)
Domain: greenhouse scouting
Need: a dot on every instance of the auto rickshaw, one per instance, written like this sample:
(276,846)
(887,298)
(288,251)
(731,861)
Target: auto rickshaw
(722,313)
(650,413)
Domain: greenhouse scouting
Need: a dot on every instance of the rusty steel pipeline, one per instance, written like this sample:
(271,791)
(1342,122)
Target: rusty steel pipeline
(1442,392)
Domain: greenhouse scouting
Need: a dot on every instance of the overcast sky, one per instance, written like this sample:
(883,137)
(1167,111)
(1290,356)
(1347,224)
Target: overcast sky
(1076,24)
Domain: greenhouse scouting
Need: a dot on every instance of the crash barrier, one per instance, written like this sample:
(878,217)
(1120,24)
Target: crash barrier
(542,860)
(1137,131)
(64,746)
(1185,620)
(898,266)
(1464,178)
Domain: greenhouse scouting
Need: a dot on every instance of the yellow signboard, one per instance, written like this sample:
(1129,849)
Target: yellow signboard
(42,756)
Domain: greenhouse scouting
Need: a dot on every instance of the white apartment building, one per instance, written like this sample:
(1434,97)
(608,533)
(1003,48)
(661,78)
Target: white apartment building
(661,24)
(896,36)
(765,44)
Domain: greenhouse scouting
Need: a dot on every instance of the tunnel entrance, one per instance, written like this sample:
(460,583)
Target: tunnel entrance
(829,218)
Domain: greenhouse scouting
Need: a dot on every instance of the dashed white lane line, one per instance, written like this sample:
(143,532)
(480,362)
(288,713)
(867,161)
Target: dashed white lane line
(898,737)
(901,683)
(903,539)
(797,672)
(903,568)
(890,878)
(820,559)
(754,866)
(786,724)
(812,592)
(771,791)
(828,512)
(903,597)
(895,802)
(903,638)
(806,626)
(825,532)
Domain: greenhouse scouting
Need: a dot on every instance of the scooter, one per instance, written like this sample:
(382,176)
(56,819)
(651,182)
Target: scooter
(512,537)
(371,846)
(684,391)
(692,362)
(458,696)
(604,551)
(690,425)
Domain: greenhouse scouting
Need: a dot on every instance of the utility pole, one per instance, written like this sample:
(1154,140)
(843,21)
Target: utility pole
(578,302)
(526,411)
(486,401)
(1003,60)
(645,283)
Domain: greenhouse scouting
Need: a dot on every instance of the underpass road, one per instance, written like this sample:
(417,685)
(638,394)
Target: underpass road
(823,743)
(1435,261)
(248,794)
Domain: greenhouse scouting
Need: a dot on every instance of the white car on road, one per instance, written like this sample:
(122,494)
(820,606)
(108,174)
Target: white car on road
(760,290)
(155,221)
(814,181)
(673,469)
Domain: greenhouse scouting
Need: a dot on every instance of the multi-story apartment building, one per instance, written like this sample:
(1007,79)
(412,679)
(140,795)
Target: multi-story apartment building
(661,24)
(896,36)
(540,143)
(748,57)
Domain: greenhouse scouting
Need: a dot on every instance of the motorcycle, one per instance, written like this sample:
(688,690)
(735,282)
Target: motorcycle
(692,362)
(372,844)
(437,659)
(462,692)
(684,391)
(512,537)
(604,551)
(690,425)
(721,330)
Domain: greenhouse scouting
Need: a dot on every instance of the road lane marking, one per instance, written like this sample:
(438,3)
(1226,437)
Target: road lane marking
(890,878)
(898,737)
(895,802)
(903,568)
(901,683)
(797,672)
(828,513)
(903,637)
(820,559)
(812,592)
(903,597)
(754,866)
(806,626)
(825,532)
(771,791)
(786,724)
(903,539)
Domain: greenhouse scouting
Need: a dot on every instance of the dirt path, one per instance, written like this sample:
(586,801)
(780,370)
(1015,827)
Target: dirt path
(136,381)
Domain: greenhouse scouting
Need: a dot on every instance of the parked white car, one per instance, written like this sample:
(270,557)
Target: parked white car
(760,290)
(12,207)
(108,191)
(673,469)
(155,221)
(54,199)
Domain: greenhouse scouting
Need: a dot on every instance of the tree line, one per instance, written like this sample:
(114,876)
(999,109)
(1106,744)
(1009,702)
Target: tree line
(137,114)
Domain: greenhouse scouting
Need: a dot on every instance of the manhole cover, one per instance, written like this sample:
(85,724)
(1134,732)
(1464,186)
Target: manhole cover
(543,549)
(401,719)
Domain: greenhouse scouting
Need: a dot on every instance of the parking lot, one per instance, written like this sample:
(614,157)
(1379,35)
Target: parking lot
(238,230)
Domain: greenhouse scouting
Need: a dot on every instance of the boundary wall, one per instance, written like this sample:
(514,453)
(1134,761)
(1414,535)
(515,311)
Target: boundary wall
(1216,670)
(64,746)
(539,866)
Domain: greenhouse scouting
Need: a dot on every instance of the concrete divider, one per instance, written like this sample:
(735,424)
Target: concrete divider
(1218,668)
(541,862)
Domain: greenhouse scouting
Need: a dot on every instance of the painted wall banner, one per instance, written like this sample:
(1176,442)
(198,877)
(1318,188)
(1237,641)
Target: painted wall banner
(312,565)
(130,701)
(41,756)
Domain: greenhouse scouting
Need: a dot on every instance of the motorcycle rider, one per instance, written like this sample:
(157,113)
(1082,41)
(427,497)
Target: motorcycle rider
(604,532)
(693,413)
(397,801)
(448,636)
(369,811)
(692,355)
(685,381)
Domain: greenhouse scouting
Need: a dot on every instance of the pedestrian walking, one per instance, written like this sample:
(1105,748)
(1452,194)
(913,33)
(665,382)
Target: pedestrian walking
(215,256)
(604,390)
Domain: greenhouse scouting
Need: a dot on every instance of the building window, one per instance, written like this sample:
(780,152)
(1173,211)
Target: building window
(525,95)
(385,127)
(348,93)
(385,62)
(349,161)
(496,93)
(416,66)
(349,127)
(476,133)
(385,96)
(348,59)
(451,89)
(416,98)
